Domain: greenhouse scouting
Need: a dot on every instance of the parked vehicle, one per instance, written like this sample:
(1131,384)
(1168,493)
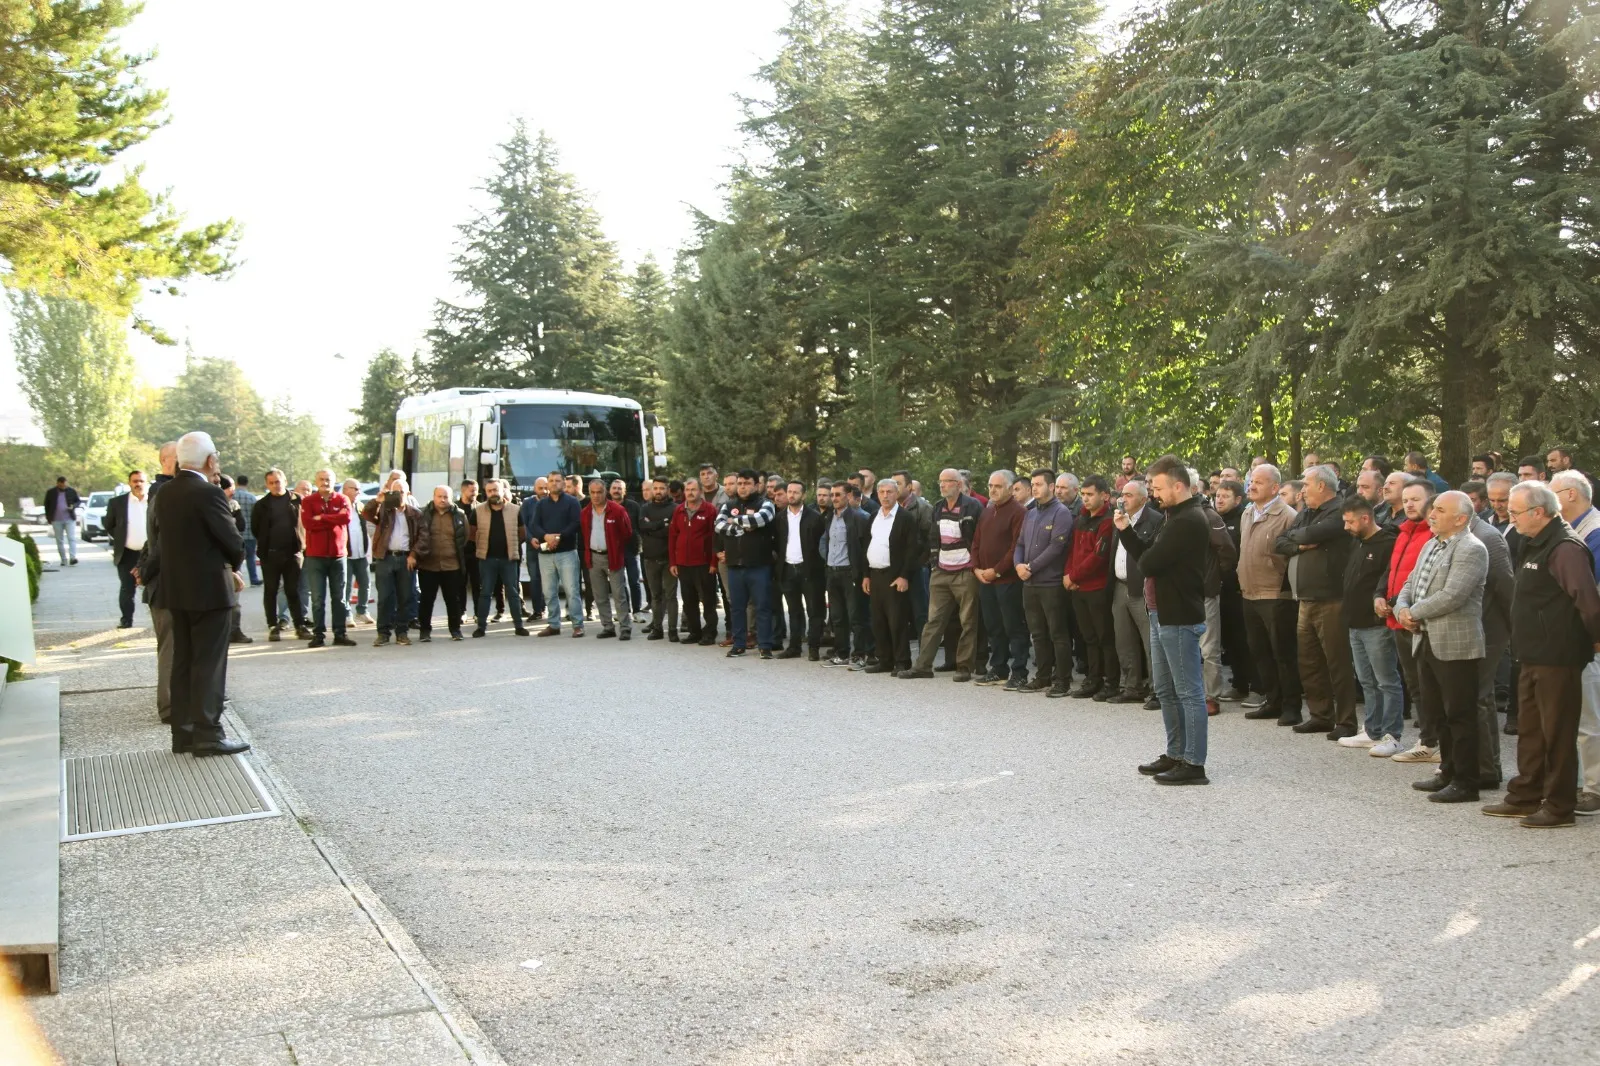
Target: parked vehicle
(92,514)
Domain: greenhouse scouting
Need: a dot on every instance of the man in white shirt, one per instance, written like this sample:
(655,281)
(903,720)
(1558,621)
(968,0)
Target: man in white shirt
(357,571)
(125,525)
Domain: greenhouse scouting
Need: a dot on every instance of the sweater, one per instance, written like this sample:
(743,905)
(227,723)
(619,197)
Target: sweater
(1043,543)
(1175,562)
(994,542)
(559,515)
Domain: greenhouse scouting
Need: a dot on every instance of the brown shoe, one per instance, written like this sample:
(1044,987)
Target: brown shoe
(1510,810)
(1545,818)
(1212,708)
(548,632)
(728,643)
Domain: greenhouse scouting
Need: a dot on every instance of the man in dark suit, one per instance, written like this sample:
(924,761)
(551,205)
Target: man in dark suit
(149,566)
(844,567)
(892,550)
(199,548)
(127,529)
(801,577)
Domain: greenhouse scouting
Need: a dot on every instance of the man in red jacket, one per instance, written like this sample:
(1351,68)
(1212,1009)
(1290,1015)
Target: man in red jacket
(325,514)
(1416,498)
(1088,568)
(692,557)
(607,532)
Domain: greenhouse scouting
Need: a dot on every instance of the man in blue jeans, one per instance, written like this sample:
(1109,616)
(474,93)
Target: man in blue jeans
(400,536)
(496,532)
(1372,651)
(553,527)
(745,525)
(247,502)
(1174,568)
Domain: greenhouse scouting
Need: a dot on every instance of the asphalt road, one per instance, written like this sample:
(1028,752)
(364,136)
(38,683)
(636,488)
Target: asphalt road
(741,862)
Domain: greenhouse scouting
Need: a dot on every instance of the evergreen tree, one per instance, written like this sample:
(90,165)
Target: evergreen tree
(387,382)
(634,368)
(544,305)
(213,396)
(76,372)
(73,103)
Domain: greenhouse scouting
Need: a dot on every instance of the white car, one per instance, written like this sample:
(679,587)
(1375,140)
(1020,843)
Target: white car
(92,513)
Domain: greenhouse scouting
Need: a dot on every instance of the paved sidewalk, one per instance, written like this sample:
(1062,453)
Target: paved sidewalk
(243,943)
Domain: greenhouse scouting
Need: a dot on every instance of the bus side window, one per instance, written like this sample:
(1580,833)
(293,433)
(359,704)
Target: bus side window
(458,453)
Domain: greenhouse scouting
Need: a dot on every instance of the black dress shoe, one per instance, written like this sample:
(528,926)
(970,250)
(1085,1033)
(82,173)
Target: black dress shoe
(1125,697)
(1085,691)
(1104,695)
(813,655)
(1160,766)
(1289,718)
(878,668)
(1436,783)
(1153,703)
(1455,792)
(605,633)
(734,653)
(225,746)
(655,634)
(946,668)
(962,677)
(317,642)
(1510,728)
(907,675)
(1312,725)
(181,744)
(791,652)
(1261,713)
(1184,774)
(1339,732)
(520,631)
(626,634)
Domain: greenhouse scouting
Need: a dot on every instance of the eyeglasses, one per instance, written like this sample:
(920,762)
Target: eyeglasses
(1518,514)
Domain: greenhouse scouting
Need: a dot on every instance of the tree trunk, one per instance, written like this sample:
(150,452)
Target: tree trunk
(1269,428)
(1296,454)
(1455,446)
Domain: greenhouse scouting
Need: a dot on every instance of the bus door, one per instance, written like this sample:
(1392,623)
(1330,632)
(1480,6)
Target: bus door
(457,466)
(408,457)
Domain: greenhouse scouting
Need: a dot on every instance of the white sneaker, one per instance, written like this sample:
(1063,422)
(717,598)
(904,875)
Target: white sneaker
(1360,740)
(1419,752)
(1386,748)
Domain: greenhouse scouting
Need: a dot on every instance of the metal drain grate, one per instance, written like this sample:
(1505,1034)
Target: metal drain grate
(141,791)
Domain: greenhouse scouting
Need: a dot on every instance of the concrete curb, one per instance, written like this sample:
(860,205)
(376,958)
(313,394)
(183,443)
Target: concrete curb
(474,1044)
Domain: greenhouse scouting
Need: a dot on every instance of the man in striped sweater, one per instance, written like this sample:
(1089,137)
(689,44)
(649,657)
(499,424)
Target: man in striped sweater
(744,523)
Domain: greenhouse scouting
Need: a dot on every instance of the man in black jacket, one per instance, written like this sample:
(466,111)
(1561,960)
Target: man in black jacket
(655,518)
(891,549)
(127,527)
(840,552)
(1372,651)
(1129,617)
(61,511)
(275,521)
(1175,561)
(200,549)
(1317,546)
(797,534)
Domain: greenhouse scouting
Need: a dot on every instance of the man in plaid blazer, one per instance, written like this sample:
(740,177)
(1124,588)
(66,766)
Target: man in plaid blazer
(1442,606)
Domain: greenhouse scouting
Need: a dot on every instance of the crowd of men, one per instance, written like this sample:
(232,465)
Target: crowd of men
(1300,599)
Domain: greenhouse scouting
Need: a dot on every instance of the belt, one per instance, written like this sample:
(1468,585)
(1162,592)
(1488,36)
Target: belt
(838,569)
(597,551)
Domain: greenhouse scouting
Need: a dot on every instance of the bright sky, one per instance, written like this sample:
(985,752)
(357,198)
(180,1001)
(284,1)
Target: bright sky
(349,137)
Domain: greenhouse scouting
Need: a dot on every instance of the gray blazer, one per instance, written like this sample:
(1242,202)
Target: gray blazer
(1502,582)
(1451,607)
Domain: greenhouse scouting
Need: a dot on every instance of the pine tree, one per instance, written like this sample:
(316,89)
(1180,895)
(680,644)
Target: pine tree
(544,305)
(634,368)
(386,383)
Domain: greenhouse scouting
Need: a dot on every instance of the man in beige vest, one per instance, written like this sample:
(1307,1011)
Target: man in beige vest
(497,533)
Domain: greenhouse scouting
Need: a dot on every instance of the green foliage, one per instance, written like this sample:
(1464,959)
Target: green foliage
(634,367)
(76,372)
(545,307)
(28,470)
(213,396)
(35,565)
(387,382)
(74,102)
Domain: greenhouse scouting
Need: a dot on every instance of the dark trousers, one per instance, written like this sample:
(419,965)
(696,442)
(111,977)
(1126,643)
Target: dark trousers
(125,593)
(199,673)
(848,620)
(453,583)
(1080,643)
(803,595)
(663,589)
(250,561)
(891,619)
(1450,697)
(1046,610)
(1427,729)
(282,567)
(1005,621)
(1093,612)
(699,587)
(1235,644)
(395,585)
(1549,700)
(1269,627)
(635,581)
(749,585)
(1327,673)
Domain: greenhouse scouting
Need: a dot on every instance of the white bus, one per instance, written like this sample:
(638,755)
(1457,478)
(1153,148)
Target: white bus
(443,437)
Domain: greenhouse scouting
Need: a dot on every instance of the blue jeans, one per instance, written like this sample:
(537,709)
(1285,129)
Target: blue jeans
(1007,626)
(500,573)
(66,537)
(396,599)
(536,604)
(326,578)
(1378,670)
(357,572)
(635,580)
(747,584)
(250,561)
(558,580)
(1176,674)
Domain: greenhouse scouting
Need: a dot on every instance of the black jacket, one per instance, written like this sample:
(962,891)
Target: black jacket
(905,545)
(811,526)
(854,523)
(1547,628)
(1176,560)
(1144,530)
(1230,575)
(1366,573)
(745,526)
(115,523)
(653,520)
(199,547)
(73,501)
(275,523)
(1320,573)
(1223,558)
(632,506)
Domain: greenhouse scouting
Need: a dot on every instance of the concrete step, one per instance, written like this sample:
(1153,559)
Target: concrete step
(30,827)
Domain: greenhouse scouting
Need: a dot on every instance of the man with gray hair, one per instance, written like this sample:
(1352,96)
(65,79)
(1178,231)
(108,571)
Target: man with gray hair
(1575,497)
(1269,612)
(994,545)
(1130,618)
(1318,547)
(198,552)
(1441,607)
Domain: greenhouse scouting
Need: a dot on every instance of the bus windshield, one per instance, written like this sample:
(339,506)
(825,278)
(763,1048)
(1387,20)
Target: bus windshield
(574,439)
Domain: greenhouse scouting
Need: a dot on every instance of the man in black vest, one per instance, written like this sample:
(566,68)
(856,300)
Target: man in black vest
(1555,633)
(199,550)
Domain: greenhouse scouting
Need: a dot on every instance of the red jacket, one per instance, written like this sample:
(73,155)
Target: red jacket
(1407,546)
(1089,558)
(619,532)
(327,524)
(691,537)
